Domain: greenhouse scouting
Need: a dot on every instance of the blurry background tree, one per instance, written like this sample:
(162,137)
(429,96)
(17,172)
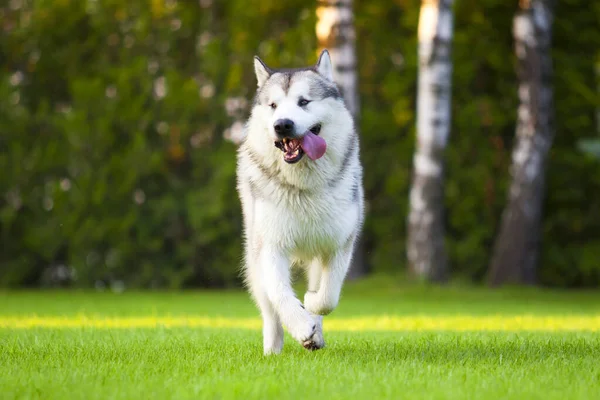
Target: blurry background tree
(517,246)
(335,32)
(426,249)
(592,145)
(117,121)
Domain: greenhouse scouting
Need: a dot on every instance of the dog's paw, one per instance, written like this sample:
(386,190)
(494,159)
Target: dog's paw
(304,332)
(312,302)
(315,303)
(316,341)
(271,350)
(305,327)
(273,345)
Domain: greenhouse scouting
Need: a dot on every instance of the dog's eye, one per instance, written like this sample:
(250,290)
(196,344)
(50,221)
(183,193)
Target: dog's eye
(273,106)
(303,102)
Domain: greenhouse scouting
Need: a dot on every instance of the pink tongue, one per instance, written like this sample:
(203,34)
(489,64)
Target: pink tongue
(314,146)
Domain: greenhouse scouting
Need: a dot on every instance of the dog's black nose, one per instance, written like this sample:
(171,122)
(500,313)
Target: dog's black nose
(284,127)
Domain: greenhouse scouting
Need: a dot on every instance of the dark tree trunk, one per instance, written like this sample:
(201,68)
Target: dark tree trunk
(517,247)
(335,32)
(425,243)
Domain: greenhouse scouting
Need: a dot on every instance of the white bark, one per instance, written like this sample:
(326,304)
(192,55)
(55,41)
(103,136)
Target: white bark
(425,246)
(517,246)
(335,32)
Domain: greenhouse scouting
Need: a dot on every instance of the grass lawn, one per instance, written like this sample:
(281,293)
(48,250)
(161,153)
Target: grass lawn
(386,340)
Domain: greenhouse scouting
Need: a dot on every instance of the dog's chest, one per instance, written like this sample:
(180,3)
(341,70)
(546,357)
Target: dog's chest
(308,225)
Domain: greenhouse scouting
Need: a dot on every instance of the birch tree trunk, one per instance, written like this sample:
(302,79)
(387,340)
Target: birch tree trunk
(517,246)
(425,244)
(335,32)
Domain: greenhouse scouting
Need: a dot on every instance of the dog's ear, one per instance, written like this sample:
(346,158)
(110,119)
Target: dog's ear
(262,71)
(324,66)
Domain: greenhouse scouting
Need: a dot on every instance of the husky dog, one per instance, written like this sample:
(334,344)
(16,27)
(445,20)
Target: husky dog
(300,184)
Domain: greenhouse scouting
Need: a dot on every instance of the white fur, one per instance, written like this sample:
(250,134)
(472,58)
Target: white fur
(261,71)
(324,65)
(298,214)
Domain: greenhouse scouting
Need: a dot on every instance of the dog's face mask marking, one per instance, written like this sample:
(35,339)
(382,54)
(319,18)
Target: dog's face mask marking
(291,99)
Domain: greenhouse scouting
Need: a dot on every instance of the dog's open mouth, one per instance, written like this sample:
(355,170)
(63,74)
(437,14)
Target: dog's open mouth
(294,149)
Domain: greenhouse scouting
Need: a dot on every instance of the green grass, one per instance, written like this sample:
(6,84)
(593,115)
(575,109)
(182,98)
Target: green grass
(185,362)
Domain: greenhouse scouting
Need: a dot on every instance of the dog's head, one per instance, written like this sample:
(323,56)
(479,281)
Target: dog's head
(299,110)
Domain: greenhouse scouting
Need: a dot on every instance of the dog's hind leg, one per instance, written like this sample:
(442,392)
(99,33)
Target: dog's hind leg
(275,277)
(313,275)
(325,299)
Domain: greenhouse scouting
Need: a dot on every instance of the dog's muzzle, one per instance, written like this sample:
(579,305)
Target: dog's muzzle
(292,147)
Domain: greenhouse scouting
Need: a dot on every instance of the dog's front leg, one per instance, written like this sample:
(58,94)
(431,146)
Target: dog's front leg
(324,299)
(276,280)
(272,329)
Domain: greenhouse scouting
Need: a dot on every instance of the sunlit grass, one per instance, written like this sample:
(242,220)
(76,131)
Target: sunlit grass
(373,323)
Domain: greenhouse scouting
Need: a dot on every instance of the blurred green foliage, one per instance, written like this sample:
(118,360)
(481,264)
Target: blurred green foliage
(114,119)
